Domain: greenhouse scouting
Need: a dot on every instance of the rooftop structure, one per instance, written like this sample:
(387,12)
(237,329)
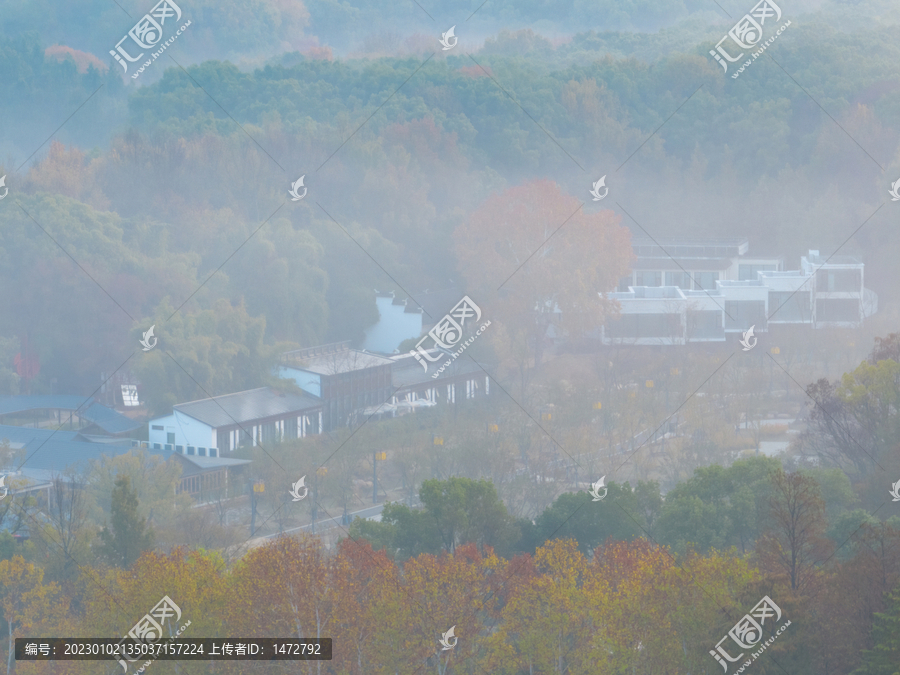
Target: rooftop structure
(344,379)
(58,409)
(698,296)
(332,359)
(200,428)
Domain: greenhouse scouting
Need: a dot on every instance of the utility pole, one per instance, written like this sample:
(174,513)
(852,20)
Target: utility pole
(258,487)
(375,457)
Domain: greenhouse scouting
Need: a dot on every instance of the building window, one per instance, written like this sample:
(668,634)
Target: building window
(844,311)
(191,450)
(157,427)
(741,314)
(704,324)
(636,326)
(839,281)
(648,278)
(748,272)
(679,279)
(705,281)
(170,437)
(789,306)
(268,432)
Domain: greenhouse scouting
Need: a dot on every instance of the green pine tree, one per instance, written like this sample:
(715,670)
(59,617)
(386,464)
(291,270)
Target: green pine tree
(884,657)
(128,535)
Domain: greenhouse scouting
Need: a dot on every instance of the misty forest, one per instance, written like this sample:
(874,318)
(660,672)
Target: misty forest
(630,469)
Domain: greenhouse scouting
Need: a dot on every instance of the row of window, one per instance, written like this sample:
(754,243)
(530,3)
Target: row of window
(180,449)
(653,251)
(695,281)
(827,281)
(196,484)
(705,324)
(188,450)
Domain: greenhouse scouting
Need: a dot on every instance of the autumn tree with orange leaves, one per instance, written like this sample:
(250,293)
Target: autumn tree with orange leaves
(533,256)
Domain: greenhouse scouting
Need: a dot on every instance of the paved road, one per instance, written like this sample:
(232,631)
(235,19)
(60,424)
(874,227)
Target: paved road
(370,513)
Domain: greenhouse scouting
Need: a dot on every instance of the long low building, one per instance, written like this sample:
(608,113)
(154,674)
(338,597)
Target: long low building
(40,455)
(340,387)
(201,428)
(709,289)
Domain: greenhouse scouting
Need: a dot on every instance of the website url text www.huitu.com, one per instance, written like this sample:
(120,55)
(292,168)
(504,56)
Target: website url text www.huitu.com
(160,50)
(759,52)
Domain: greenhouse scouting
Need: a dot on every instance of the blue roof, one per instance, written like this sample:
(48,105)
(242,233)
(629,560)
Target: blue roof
(107,419)
(55,451)
(48,453)
(27,434)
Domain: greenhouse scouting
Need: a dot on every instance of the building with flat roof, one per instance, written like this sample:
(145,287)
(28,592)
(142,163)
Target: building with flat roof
(682,291)
(201,428)
(344,379)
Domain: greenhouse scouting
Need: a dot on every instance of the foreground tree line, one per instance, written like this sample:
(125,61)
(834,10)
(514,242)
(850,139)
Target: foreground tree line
(644,581)
(570,605)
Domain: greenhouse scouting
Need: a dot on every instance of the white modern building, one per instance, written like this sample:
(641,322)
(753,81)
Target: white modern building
(202,428)
(682,291)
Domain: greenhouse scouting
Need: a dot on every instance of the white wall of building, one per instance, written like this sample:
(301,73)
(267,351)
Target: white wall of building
(187,430)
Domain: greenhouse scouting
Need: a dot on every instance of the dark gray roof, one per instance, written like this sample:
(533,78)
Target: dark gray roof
(336,362)
(246,406)
(689,264)
(407,372)
(688,241)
